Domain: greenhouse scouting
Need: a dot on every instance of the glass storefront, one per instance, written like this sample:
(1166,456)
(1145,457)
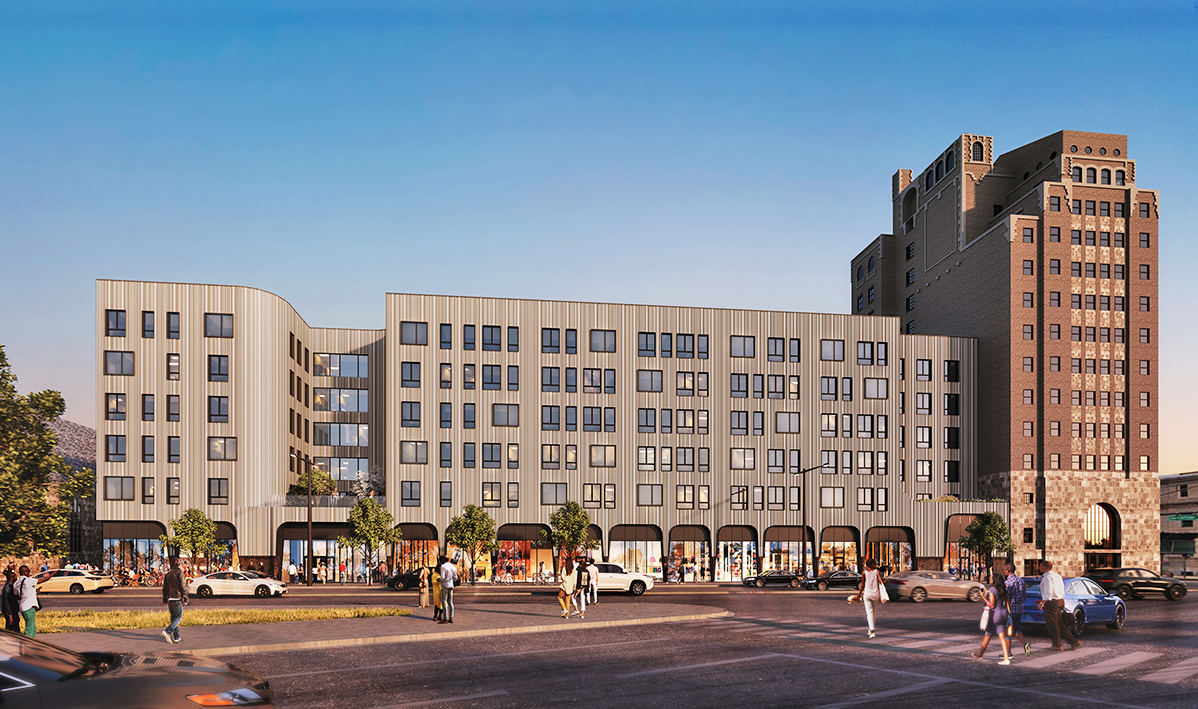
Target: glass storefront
(640,556)
(891,556)
(688,562)
(133,554)
(735,560)
(837,556)
(411,554)
(786,556)
(964,563)
(328,554)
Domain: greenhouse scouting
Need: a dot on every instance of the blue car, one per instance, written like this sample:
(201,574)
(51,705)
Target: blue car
(1086,600)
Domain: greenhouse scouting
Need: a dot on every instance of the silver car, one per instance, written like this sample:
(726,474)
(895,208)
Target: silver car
(919,586)
(235,583)
(613,577)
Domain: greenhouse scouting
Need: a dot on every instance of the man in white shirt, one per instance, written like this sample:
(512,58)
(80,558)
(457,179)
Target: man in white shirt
(449,577)
(291,571)
(1052,602)
(593,587)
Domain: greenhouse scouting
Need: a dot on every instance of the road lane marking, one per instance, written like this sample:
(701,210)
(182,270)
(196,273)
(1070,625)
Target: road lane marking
(1118,663)
(444,700)
(1174,674)
(888,693)
(683,668)
(1056,657)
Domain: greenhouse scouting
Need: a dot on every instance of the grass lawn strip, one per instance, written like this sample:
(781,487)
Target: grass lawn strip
(81,621)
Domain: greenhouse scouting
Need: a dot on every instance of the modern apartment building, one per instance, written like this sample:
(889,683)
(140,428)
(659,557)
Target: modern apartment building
(683,432)
(1047,255)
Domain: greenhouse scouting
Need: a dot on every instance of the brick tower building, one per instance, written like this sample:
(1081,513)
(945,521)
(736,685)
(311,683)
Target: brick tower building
(1047,255)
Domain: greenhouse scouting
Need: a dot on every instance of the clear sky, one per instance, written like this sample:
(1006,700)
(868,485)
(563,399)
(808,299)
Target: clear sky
(727,154)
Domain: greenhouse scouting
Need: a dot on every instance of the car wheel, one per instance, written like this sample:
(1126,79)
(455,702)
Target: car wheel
(1079,618)
(262,592)
(1120,616)
(400,586)
(637,588)
(76,589)
(822,586)
(794,583)
(1174,593)
(975,595)
(1123,591)
(759,583)
(919,595)
(204,592)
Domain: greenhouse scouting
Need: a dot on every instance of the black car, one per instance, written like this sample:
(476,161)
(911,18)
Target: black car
(37,675)
(403,581)
(773,578)
(1129,582)
(835,579)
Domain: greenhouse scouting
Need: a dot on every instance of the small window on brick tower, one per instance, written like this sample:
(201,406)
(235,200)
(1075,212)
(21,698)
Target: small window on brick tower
(1029,535)
(1029,498)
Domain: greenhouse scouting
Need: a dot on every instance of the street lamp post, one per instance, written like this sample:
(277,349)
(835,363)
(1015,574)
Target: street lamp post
(308,567)
(803,504)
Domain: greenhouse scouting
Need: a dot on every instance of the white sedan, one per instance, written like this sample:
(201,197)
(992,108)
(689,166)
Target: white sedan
(235,583)
(613,577)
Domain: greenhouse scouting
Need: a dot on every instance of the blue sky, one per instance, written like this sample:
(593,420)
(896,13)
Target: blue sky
(729,154)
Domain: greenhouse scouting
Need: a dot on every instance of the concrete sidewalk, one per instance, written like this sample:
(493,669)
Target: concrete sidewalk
(470,620)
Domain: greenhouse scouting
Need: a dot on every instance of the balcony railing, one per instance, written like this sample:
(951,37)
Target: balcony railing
(317,500)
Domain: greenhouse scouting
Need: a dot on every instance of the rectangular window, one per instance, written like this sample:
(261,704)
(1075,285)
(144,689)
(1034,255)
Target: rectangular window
(218,409)
(776,349)
(218,368)
(446,336)
(467,455)
(776,386)
(115,320)
(758,386)
(118,364)
(513,339)
(114,449)
(592,418)
(410,414)
(739,497)
(147,324)
(831,497)
(743,458)
(218,325)
(492,338)
(646,458)
(831,350)
(172,407)
(646,344)
(684,497)
(551,456)
(115,409)
(603,340)
(646,379)
(571,380)
(446,456)
(505,415)
(410,374)
(492,494)
(173,449)
(446,496)
(592,496)
(553,493)
(467,337)
(492,377)
(743,346)
(513,377)
(413,452)
(571,341)
(551,340)
(865,499)
(551,418)
(218,491)
(828,388)
(172,326)
(603,456)
(786,422)
(1029,332)
(877,388)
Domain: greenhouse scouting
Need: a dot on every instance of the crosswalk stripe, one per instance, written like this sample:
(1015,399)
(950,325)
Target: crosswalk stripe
(1174,674)
(922,643)
(1117,663)
(812,635)
(1055,657)
(776,631)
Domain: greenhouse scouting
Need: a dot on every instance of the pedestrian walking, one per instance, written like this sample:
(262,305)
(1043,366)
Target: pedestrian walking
(449,577)
(291,571)
(1052,602)
(872,593)
(174,597)
(423,587)
(593,584)
(341,573)
(1017,591)
(566,588)
(438,607)
(998,611)
(581,582)
(27,597)
(9,601)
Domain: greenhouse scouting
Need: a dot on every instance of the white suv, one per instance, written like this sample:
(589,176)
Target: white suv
(613,577)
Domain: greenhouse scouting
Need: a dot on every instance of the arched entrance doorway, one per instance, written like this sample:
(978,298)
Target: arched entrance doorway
(892,547)
(838,549)
(957,559)
(736,553)
(1103,531)
(417,547)
(782,550)
(226,537)
(133,545)
(689,557)
(520,552)
(636,547)
(292,545)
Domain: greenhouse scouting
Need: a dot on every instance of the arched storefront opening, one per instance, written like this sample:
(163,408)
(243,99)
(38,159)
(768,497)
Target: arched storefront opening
(689,557)
(782,550)
(133,546)
(595,538)
(417,547)
(226,537)
(892,547)
(1103,531)
(736,553)
(957,559)
(292,544)
(838,549)
(636,547)
(519,552)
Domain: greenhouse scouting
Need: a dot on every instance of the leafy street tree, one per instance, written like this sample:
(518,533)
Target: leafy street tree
(371,527)
(36,486)
(369,482)
(322,484)
(567,533)
(987,534)
(474,533)
(194,534)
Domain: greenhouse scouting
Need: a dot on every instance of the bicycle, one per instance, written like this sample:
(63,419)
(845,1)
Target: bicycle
(504,580)
(545,579)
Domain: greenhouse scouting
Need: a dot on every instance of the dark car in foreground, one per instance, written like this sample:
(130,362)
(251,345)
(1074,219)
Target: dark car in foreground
(835,579)
(1084,599)
(773,578)
(37,675)
(1129,582)
(403,581)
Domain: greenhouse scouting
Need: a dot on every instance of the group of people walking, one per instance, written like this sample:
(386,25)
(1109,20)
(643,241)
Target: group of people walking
(441,580)
(18,594)
(579,584)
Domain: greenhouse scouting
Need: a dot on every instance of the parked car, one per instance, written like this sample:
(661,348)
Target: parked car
(403,581)
(235,583)
(919,586)
(38,675)
(74,580)
(774,578)
(613,577)
(1086,600)
(835,579)
(1134,582)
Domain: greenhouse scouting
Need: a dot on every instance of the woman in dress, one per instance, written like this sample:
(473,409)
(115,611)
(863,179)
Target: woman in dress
(998,603)
(438,609)
(871,593)
(566,589)
(423,586)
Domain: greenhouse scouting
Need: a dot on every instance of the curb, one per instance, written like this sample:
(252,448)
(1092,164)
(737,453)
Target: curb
(452,635)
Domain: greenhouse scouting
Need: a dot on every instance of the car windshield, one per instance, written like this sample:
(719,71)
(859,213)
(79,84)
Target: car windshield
(45,657)
(1032,584)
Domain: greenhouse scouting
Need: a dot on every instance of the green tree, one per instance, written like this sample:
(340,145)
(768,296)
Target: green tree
(195,534)
(36,485)
(473,532)
(322,484)
(987,534)
(371,527)
(567,534)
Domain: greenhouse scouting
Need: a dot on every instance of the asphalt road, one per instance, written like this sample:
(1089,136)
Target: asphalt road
(780,648)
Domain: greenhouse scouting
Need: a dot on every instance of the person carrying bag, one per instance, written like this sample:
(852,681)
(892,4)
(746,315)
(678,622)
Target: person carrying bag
(566,588)
(26,590)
